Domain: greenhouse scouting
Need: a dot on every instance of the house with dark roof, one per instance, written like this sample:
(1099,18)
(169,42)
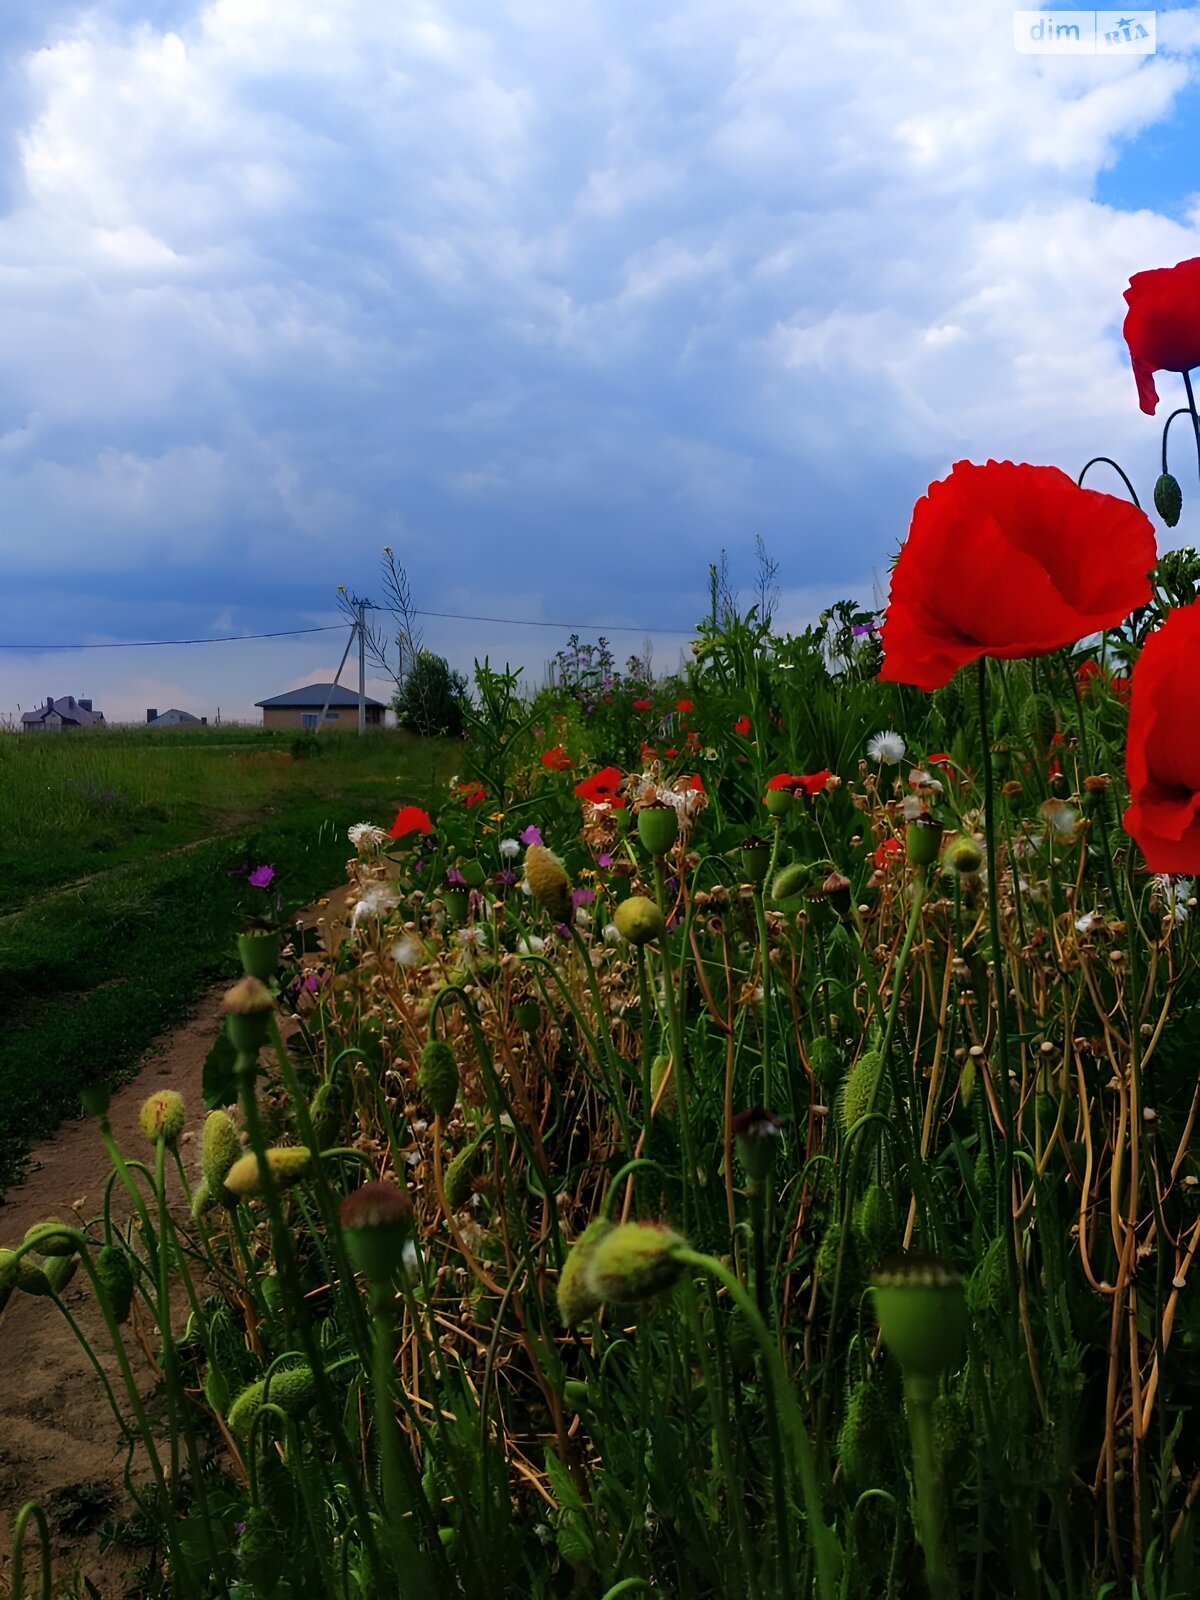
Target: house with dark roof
(301,708)
(56,715)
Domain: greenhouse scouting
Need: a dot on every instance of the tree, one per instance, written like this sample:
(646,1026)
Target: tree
(431,697)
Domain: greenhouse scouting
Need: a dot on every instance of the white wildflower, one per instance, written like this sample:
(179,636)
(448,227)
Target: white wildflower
(919,779)
(1175,894)
(911,807)
(366,836)
(471,939)
(583,917)
(530,945)
(406,952)
(377,901)
(612,934)
(510,848)
(886,748)
(1091,922)
(410,1266)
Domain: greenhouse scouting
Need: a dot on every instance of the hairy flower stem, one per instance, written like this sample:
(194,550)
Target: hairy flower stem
(929,1499)
(1191,398)
(30,1510)
(1000,986)
(821,1535)
(675,1025)
(246,1070)
(131,1189)
(764,961)
(407,1565)
(647,1049)
(759,1202)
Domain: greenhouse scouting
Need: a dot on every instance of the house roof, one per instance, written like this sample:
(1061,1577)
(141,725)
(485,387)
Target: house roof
(184,716)
(312,697)
(68,708)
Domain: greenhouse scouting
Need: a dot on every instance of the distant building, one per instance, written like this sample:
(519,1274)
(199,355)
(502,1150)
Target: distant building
(173,719)
(301,708)
(56,715)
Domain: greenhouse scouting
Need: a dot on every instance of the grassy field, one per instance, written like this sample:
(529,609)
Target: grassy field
(116,903)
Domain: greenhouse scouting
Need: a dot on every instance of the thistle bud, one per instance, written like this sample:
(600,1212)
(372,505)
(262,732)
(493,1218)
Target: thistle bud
(639,920)
(288,1163)
(658,827)
(577,1300)
(437,1077)
(634,1261)
(1168,499)
(548,881)
(757,1133)
(162,1116)
(922,1313)
(377,1222)
(248,1007)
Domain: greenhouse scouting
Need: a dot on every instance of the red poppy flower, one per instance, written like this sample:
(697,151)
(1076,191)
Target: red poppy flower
(410,819)
(669,755)
(742,725)
(938,759)
(1162,325)
(696,782)
(885,852)
(641,705)
(556,759)
(693,737)
(1010,560)
(601,788)
(1120,686)
(1086,674)
(471,794)
(809,783)
(648,752)
(1162,754)
(683,705)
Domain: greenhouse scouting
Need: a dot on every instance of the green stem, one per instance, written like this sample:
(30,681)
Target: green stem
(28,1510)
(675,1026)
(929,1500)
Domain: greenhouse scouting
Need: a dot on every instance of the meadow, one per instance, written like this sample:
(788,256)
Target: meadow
(744,1144)
(116,902)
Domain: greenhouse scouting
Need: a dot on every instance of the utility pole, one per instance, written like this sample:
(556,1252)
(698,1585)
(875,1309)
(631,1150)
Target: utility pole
(362,670)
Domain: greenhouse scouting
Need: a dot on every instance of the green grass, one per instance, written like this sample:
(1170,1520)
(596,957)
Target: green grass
(89,974)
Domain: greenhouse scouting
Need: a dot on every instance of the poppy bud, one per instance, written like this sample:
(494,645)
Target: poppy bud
(862,1442)
(287,1164)
(377,1222)
(59,1271)
(790,881)
(875,1222)
(548,881)
(576,1299)
(1168,499)
(634,1261)
(114,1277)
(963,854)
(203,1200)
(658,827)
(460,1175)
(437,1077)
(53,1244)
(639,920)
(658,1071)
(922,1313)
(293,1390)
(248,1007)
(22,1273)
(757,1133)
(220,1147)
(162,1116)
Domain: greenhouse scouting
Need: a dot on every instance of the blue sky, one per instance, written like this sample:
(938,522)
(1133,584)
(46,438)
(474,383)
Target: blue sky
(557,301)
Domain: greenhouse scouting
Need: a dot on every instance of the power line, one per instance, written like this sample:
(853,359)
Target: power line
(146,644)
(335,627)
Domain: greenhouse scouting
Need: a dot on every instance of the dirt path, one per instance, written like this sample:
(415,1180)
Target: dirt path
(56,1429)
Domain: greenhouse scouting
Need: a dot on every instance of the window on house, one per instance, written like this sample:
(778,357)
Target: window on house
(308,719)
(331,716)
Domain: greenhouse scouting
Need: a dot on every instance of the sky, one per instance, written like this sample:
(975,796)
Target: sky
(556,300)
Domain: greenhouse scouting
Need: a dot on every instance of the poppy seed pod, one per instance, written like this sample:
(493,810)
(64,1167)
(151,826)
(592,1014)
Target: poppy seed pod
(577,1300)
(528,1014)
(922,840)
(548,881)
(248,1007)
(755,856)
(162,1116)
(922,1313)
(639,920)
(293,1390)
(437,1077)
(779,802)
(658,827)
(287,1163)
(634,1261)
(377,1222)
(757,1133)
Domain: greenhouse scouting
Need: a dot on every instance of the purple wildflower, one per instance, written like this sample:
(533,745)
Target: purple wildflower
(506,878)
(455,878)
(604,860)
(262,877)
(582,897)
(532,835)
